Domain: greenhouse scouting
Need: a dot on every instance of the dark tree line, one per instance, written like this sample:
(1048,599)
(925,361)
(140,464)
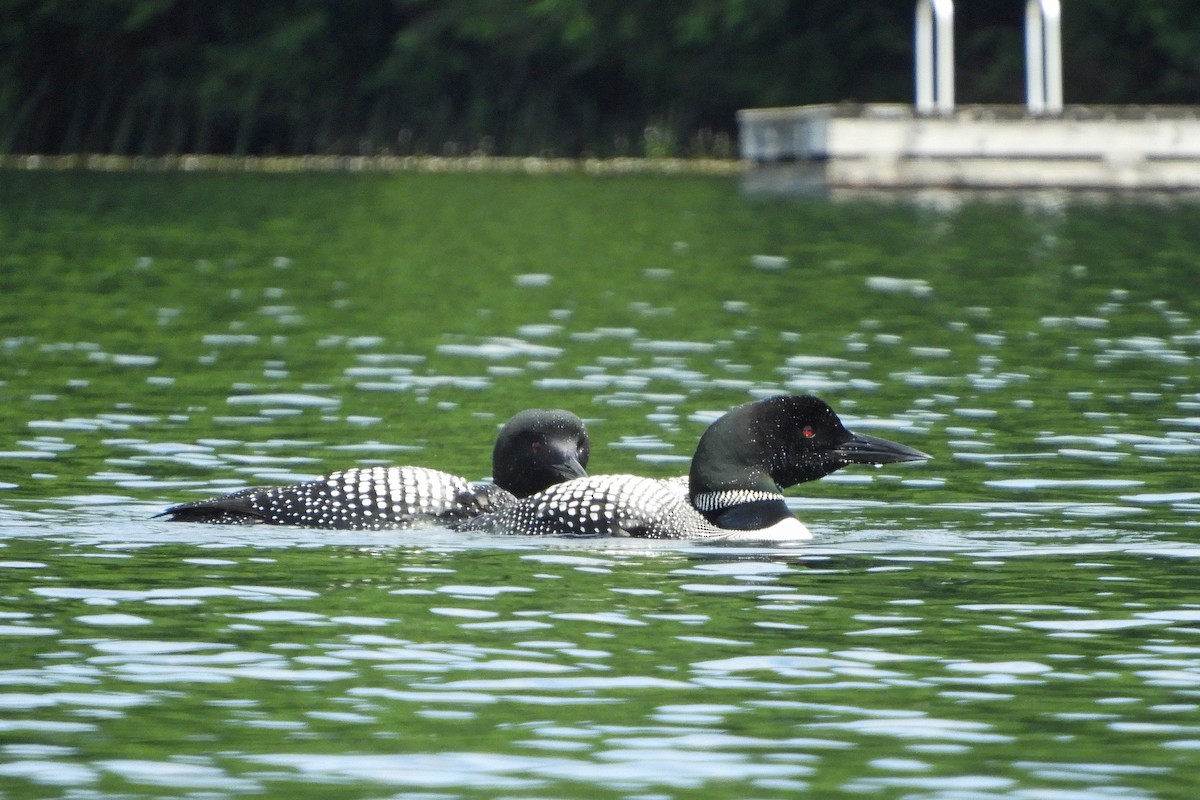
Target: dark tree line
(563,77)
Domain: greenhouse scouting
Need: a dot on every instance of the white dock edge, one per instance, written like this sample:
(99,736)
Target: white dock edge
(890,146)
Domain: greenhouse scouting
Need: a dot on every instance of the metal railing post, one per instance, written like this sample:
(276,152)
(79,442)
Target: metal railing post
(935,56)
(1043,56)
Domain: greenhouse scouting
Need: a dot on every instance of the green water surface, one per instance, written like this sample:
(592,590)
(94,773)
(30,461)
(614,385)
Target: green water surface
(1018,618)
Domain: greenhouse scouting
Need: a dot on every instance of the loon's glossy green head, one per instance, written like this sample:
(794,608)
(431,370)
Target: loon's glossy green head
(771,444)
(538,448)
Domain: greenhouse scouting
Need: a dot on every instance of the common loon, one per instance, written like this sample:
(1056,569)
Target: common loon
(733,490)
(534,450)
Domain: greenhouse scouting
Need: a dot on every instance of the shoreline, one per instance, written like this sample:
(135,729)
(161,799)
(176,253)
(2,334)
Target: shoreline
(531,165)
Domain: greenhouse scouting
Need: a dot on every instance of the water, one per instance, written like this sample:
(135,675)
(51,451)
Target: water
(1017,618)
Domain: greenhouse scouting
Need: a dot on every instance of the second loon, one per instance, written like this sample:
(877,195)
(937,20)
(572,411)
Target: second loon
(733,491)
(534,450)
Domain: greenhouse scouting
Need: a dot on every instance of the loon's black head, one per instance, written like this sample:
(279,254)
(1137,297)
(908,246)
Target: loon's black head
(539,448)
(771,444)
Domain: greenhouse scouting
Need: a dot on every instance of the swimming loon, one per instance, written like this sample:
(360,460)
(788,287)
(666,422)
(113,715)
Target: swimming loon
(733,490)
(534,450)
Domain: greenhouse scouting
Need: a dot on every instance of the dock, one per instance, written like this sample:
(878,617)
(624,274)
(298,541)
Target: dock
(894,146)
(938,144)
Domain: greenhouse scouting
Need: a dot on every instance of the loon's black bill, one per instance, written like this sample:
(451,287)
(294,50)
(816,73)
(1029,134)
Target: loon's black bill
(864,449)
(569,468)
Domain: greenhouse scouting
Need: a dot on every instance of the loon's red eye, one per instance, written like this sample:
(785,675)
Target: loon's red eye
(537,447)
(808,431)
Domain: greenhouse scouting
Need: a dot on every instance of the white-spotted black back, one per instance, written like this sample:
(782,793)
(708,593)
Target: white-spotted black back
(375,498)
(602,505)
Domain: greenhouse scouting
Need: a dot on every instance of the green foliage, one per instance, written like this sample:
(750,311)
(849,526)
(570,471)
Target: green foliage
(553,77)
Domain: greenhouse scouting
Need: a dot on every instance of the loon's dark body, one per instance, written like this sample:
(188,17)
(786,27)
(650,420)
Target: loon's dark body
(534,450)
(733,490)
(372,498)
(605,505)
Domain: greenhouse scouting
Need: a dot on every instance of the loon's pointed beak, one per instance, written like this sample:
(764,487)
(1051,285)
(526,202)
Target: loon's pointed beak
(569,468)
(864,449)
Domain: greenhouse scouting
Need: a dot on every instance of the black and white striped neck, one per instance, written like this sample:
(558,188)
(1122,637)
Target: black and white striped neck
(742,509)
